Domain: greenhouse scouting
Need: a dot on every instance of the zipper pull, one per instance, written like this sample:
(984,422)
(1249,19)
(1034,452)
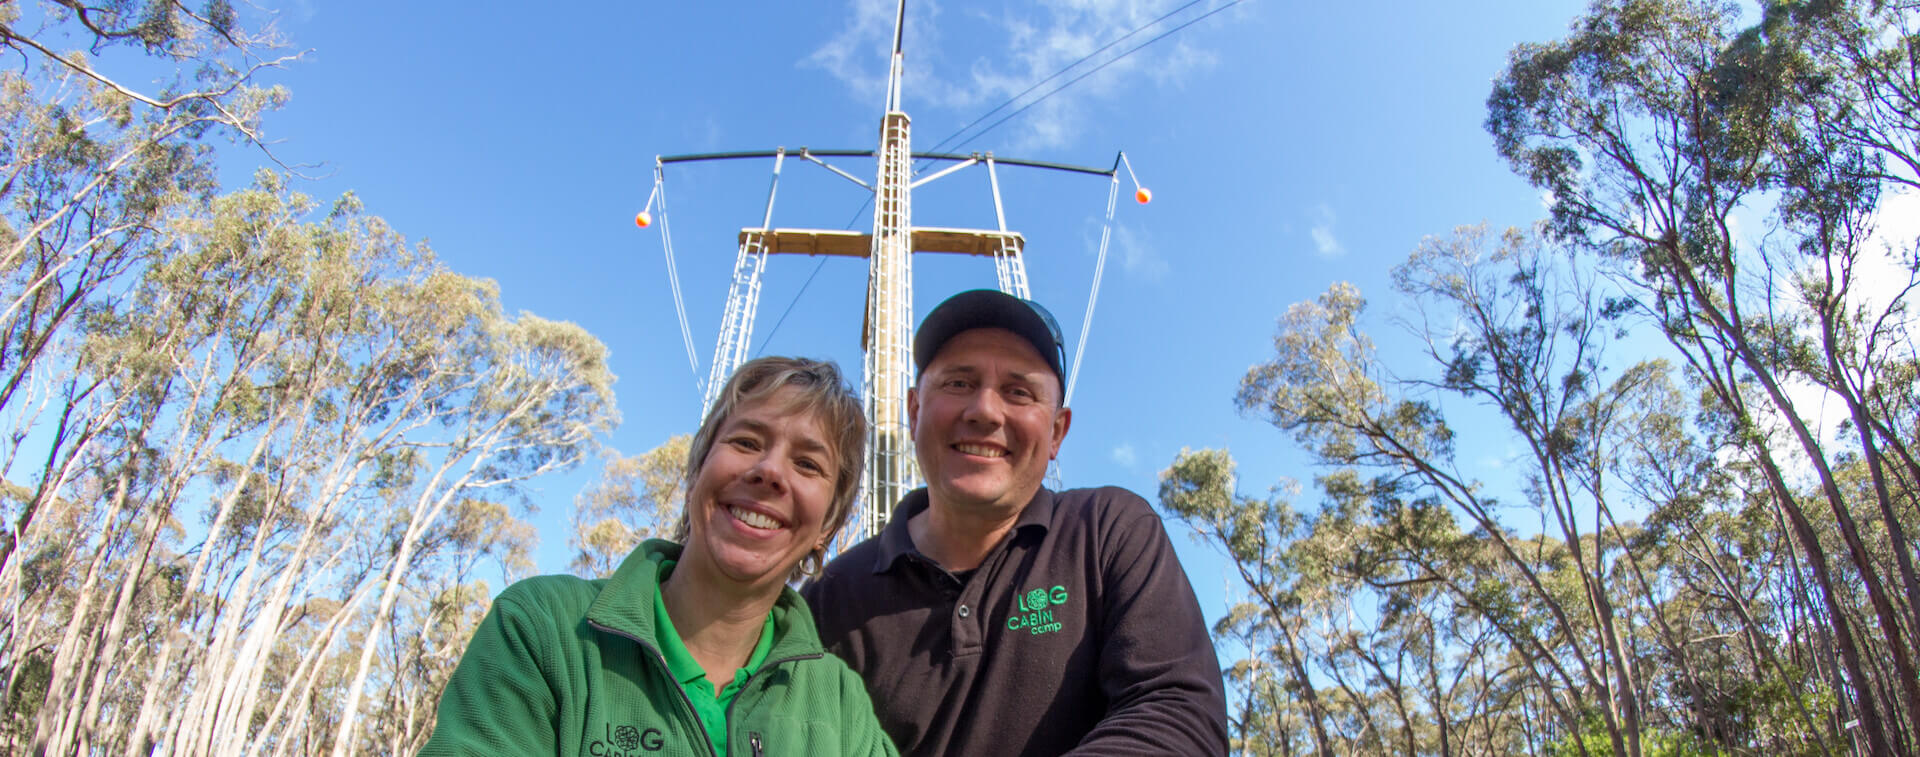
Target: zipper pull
(753,738)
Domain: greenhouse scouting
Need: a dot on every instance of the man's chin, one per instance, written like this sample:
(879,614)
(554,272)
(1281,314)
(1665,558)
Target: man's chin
(972,495)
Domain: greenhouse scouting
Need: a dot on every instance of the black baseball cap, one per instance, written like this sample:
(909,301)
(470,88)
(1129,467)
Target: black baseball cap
(991,309)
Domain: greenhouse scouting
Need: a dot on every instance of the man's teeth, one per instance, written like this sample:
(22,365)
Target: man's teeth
(981,450)
(754,519)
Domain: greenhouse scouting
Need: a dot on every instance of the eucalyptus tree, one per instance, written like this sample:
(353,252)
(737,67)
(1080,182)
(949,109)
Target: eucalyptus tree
(1257,534)
(1258,537)
(1351,645)
(97,153)
(328,436)
(1324,385)
(1262,717)
(1663,128)
(257,455)
(1444,619)
(634,499)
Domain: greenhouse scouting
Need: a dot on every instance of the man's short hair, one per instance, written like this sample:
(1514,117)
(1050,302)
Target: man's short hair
(991,309)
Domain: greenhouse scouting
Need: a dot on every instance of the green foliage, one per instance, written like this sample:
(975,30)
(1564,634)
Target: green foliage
(347,425)
(1659,126)
(1412,613)
(635,499)
(1593,741)
(31,675)
(1700,629)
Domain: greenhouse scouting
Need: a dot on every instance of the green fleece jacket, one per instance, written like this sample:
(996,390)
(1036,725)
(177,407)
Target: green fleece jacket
(565,666)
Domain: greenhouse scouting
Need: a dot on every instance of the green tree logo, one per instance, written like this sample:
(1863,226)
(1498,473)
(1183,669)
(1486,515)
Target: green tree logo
(1036,599)
(627,737)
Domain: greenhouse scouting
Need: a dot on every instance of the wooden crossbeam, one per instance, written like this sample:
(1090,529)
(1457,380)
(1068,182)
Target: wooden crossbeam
(857,244)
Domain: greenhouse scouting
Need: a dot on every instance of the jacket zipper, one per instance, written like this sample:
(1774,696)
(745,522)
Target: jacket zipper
(753,738)
(661,660)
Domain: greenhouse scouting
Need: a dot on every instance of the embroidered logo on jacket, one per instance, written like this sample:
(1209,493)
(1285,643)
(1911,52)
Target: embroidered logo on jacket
(625,740)
(1033,610)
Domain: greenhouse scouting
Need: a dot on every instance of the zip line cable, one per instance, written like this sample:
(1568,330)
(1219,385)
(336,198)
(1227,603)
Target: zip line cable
(1057,74)
(673,271)
(809,282)
(1099,269)
(857,213)
(1096,69)
(790,304)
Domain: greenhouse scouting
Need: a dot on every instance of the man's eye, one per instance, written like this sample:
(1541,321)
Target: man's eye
(955,383)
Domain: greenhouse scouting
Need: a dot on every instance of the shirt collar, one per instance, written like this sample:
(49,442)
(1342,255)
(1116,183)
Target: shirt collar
(896,542)
(680,660)
(626,604)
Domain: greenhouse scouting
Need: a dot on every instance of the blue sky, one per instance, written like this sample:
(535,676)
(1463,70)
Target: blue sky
(1288,145)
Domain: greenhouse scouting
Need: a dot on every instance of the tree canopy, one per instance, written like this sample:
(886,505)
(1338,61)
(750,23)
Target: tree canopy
(257,446)
(1692,557)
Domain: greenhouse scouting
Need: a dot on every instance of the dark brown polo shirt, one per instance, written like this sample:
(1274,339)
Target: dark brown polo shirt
(1080,630)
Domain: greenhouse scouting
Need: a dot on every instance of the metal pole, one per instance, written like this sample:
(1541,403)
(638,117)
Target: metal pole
(779,157)
(993,178)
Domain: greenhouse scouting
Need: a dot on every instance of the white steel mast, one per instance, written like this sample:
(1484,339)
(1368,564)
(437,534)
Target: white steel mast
(887,338)
(887,329)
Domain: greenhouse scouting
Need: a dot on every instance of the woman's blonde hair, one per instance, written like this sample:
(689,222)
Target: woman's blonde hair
(821,393)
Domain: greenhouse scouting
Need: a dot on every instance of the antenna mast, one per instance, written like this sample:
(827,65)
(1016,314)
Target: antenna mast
(888,365)
(886,331)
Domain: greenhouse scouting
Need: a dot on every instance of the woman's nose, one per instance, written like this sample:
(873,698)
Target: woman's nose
(768,470)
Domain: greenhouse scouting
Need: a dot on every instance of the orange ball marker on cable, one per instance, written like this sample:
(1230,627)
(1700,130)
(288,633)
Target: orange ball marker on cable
(643,219)
(1143,195)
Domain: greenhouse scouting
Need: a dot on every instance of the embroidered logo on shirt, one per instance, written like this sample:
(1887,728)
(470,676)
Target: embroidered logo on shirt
(1033,610)
(624,740)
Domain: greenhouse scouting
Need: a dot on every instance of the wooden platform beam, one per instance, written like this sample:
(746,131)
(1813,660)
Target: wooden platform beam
(856,244)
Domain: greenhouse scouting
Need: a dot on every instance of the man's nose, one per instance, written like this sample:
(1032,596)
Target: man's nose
(986,406)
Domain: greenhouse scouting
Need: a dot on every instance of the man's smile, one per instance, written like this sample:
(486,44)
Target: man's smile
(980,450)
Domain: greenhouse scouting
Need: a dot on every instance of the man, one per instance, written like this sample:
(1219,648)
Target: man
(994,616)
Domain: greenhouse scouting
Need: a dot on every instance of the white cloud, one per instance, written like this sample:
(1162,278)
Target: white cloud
(1324,241)
(1125,456)
(1879,277)
(302,11)
(856,56)
(1896,232)
(706,132)
(990,57)
(1138,256)
(1500,461)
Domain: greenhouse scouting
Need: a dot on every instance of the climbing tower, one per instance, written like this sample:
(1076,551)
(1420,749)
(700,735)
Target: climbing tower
(887,331)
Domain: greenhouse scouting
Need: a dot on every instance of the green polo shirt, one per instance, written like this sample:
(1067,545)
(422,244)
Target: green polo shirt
(693,679)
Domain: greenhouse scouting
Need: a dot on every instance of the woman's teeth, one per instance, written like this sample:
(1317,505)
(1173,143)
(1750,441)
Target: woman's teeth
(754,519)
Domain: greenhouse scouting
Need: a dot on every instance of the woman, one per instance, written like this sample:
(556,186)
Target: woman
(697,647)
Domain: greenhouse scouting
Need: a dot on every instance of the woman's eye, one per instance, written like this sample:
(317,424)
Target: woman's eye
(810,465)
(744,442)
